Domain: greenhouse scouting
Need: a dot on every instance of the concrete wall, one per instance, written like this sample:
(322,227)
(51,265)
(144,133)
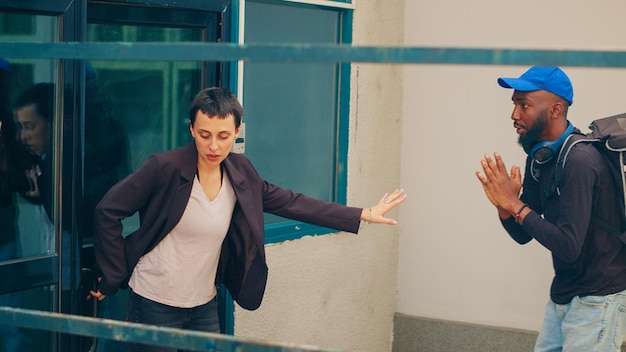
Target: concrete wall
(425,128)
(340,290)
(456,262)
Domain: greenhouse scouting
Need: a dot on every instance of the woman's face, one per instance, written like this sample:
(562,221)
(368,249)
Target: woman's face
(214,137)
(34,129)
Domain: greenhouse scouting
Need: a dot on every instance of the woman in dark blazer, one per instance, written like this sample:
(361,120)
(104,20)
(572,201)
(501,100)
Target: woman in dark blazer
(173,186)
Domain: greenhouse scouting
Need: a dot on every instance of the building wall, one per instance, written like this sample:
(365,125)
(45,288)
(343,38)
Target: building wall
(425,128)
(340,290)
(456,263)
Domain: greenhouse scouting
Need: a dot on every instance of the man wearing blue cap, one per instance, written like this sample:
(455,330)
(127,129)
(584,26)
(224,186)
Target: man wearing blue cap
(587,307)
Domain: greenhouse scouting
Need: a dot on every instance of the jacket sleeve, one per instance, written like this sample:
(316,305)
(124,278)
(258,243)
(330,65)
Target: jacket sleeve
(530,196)
(123,200)
(297,206)
(270,198)
(563,228)
(561,224)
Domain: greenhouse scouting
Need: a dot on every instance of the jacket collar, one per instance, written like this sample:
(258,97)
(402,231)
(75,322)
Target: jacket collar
(189,161)
(236,177)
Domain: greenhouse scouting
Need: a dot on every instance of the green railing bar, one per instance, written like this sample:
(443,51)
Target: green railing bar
(308,53)
(139,333)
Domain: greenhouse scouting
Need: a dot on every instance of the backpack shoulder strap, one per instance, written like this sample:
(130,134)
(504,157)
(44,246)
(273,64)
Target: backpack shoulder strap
(570,142)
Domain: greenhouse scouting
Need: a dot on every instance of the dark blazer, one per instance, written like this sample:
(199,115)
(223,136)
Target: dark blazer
(160,189)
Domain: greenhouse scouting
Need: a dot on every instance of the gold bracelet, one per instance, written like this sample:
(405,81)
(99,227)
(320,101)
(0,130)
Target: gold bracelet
(371,217)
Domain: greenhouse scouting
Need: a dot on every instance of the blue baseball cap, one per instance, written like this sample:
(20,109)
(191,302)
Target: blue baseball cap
(551,79)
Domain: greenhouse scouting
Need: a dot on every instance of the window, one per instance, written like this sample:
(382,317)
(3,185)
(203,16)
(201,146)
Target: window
(294,112)
(144,105)
(30,245)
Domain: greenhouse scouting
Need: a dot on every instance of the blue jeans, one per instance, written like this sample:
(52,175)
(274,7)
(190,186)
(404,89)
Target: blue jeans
(589,324)
(145,311)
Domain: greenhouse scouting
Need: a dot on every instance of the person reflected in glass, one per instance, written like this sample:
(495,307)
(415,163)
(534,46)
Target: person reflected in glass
(13,338)
(34,112)
(106,155)
(9,245)
(106,161)
(201,223)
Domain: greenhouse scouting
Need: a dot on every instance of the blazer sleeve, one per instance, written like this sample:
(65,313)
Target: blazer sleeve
(300,207)
(123,200)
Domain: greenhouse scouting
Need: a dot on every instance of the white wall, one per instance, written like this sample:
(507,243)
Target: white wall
(456,262)
(340,290)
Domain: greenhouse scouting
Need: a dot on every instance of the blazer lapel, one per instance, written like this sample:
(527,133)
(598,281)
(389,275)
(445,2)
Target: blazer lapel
(188,166)
(245,199)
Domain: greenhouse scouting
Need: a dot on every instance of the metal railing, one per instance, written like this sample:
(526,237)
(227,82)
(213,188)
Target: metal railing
(143,334)
(297,53)
(309,53)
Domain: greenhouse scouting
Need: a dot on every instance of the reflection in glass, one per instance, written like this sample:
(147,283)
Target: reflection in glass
(136,109)
(34,115)
(148,99)
(27,146)
(26,214)
(300,98)
(26,340)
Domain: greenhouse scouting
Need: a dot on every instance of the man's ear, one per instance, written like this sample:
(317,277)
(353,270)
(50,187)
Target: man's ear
(557,109)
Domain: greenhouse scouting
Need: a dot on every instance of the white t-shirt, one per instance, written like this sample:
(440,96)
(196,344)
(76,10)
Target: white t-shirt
(180,271)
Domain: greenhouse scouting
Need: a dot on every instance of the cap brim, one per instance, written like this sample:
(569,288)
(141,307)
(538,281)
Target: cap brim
(517,84)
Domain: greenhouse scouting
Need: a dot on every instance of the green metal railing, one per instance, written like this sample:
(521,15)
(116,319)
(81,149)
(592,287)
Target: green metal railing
(198,341)
(139,333)
(309,53)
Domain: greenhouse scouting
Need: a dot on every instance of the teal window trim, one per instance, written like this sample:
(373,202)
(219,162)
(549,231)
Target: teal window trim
(343,104)
(233,31)
(290,230)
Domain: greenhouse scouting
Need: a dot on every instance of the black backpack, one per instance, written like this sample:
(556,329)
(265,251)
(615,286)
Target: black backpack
(609,136)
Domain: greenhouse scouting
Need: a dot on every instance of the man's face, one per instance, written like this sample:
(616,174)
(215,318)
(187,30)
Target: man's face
(34,129)
(214,137)
(530,116)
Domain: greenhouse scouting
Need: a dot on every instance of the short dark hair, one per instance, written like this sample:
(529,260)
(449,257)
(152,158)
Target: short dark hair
(216,101)
(42,96)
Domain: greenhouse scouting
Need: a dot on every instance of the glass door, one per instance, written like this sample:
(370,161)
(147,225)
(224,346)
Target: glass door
(142,105)
(71,129)
(36,236)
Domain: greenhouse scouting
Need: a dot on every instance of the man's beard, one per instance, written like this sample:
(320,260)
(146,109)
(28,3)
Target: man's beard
(529,139)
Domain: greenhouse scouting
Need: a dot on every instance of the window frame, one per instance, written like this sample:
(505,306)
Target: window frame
(289,229)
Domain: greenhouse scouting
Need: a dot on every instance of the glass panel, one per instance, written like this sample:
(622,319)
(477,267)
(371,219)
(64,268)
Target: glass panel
(142,106)
(290,109)
(14,338)
(28,120)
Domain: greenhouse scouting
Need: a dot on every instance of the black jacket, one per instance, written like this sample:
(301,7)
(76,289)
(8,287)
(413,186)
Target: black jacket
(587,259)
(160,190)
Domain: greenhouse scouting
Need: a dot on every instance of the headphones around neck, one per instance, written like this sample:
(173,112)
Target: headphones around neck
(544,151)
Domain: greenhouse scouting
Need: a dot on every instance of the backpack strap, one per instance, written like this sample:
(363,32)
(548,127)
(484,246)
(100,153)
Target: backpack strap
(609,228)
(570,142)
